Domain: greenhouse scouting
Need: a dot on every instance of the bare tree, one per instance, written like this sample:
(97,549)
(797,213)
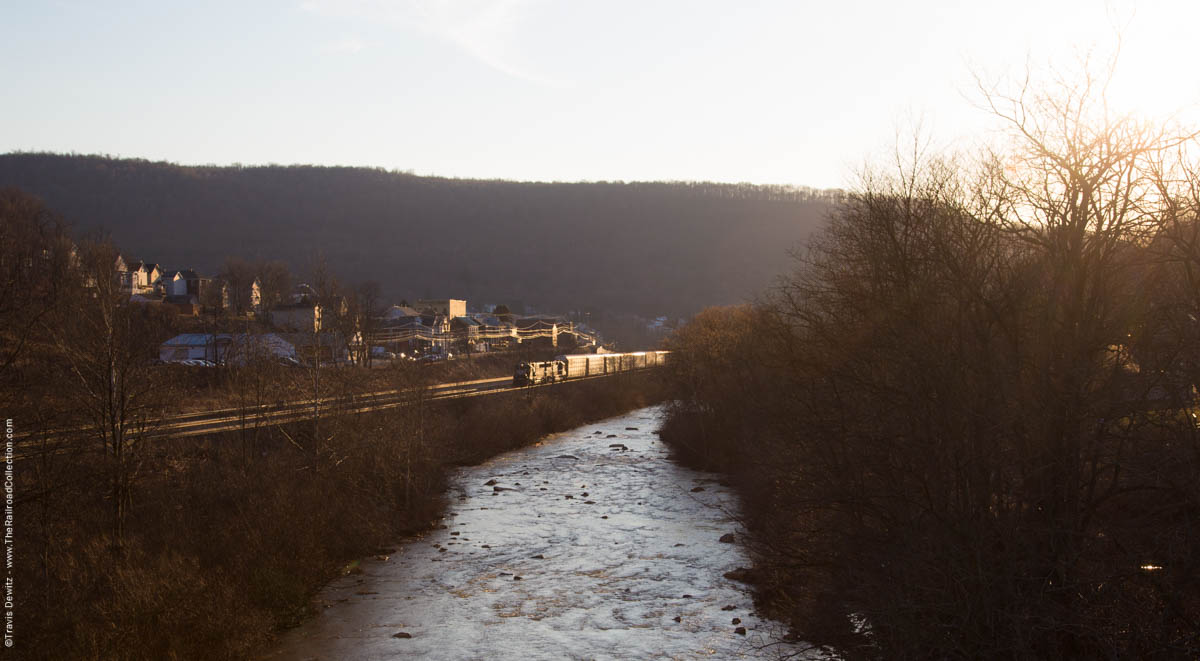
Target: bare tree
(238,276)
(276,282)
(967,436)
(104,348)
(367,312)
(253,372)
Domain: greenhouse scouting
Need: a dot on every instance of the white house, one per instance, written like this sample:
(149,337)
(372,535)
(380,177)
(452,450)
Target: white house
(143,276)
(193,346)
(245,348)
(224,348)
(173,283)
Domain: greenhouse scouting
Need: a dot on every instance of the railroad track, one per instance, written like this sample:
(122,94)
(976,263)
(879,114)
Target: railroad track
(235,418)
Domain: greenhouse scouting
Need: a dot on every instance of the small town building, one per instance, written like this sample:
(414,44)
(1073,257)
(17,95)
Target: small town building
(296,317)
(172,283)
(446,307)
(227,348)
(465,328)
(237,300)
(142,276)
(246,348)
(194,284)
(194,346)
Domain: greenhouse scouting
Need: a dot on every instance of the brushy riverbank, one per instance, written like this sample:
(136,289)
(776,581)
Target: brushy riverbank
(228,538)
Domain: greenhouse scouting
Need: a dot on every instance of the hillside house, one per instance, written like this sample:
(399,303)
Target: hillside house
(465,328)
(125,277)
(399,314)
(243,300)
(179,283)
(143,276)
(194,283)
(172,283)
(302,316)
(497,332)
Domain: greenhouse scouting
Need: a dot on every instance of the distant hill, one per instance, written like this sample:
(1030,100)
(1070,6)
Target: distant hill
(645,248)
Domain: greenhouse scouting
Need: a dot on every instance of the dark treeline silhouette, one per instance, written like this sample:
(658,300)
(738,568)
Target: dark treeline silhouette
(643,248)
(964,425)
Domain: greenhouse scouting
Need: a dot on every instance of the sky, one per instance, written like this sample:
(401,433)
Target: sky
(781,92)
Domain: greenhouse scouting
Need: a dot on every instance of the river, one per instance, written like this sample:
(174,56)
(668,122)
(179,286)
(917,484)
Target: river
(591,544)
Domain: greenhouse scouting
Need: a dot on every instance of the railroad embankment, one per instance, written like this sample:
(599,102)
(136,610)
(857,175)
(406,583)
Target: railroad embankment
(226,538)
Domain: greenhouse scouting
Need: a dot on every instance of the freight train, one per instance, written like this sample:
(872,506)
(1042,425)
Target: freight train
(581,365)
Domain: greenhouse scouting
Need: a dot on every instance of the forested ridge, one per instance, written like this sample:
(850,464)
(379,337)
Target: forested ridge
(646,248)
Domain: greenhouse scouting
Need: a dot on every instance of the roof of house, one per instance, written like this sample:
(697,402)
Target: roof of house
(406,323)
(268,341)
(196,339)
(399,311)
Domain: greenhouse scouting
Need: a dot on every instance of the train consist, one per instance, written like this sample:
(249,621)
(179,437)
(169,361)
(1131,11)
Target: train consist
(581,365)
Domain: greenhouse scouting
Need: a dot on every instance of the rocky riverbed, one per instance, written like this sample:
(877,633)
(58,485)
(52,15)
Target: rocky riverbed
(590,544)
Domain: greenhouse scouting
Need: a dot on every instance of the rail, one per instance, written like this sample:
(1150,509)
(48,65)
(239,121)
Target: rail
(236,418)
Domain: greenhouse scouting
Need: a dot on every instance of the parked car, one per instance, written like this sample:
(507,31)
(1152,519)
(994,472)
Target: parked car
(380,353)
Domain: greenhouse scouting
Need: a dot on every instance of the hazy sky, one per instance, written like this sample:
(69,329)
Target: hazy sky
(768,92)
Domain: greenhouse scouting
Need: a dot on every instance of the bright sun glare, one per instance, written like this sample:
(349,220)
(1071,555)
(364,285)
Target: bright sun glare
(1152,45)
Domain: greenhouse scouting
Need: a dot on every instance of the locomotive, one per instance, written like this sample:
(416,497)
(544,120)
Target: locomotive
(581,365)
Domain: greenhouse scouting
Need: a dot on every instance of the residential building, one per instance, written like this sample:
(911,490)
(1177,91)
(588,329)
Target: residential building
(302,316)
(194,346)
(447,307)
(226,348)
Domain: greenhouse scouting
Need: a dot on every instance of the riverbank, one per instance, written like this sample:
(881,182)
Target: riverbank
(228,538)
(758,478)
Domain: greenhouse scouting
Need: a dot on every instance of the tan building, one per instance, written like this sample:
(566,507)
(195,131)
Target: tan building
(448,307)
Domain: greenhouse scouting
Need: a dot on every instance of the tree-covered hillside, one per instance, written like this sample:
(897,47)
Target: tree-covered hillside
(647,248)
